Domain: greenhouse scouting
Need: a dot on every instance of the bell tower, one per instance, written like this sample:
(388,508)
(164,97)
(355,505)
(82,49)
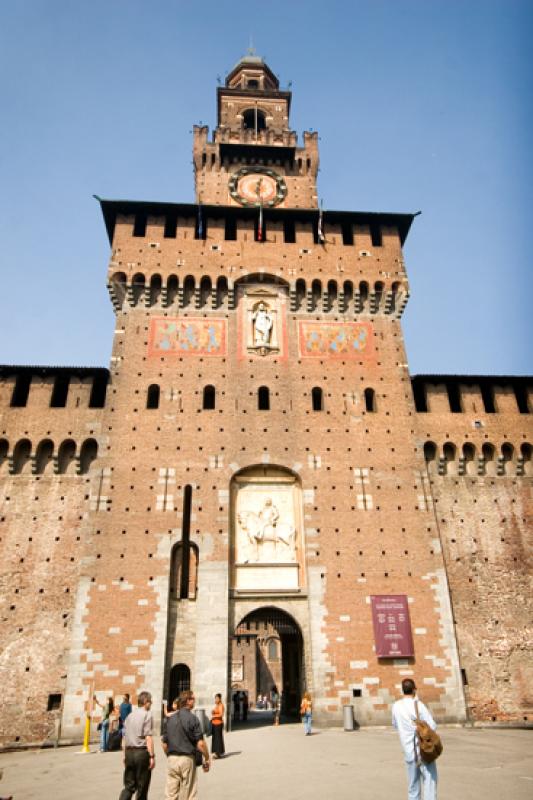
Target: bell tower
(253,157)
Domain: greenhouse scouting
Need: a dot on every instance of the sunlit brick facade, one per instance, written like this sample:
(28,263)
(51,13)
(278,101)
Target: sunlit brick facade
(222,504)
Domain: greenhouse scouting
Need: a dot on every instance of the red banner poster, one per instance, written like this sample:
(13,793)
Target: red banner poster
(392,626)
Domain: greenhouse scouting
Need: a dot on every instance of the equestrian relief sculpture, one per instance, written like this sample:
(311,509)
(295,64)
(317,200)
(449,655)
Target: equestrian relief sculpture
(268,538)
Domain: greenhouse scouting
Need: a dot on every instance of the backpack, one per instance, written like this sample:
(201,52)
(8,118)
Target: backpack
(429,743)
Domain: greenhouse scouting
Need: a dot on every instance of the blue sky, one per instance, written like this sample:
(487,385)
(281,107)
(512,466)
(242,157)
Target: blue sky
(419,105)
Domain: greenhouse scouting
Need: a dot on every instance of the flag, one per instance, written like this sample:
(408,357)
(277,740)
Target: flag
(260,224)
(200,222)
(321,237)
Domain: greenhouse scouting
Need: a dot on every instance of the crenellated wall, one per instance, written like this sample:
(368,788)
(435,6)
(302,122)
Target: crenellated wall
(476,435)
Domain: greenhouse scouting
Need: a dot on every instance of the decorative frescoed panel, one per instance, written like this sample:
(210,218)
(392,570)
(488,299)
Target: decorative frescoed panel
(343,340)
(187,336)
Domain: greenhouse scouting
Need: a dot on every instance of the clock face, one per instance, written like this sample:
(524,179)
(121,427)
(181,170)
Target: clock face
(255,186)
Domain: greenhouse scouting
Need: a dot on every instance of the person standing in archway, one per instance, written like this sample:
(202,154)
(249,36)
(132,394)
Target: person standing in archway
(217,728)
(275,701)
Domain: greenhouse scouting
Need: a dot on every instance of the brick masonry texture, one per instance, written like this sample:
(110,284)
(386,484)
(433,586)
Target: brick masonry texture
(394,499)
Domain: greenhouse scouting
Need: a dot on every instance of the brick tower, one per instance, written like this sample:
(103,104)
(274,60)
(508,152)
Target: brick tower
(257,496)
(264,476)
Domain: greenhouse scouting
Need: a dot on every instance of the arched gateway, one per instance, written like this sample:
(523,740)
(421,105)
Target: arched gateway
(267,650)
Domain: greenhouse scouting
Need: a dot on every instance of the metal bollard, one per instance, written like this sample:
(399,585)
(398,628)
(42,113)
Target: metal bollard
(347,716)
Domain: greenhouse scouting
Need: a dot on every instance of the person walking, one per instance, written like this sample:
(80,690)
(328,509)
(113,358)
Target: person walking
(104,724)
(404,714)
(217,728)
(181,741)
(275,702)
(138,745)
(306,709)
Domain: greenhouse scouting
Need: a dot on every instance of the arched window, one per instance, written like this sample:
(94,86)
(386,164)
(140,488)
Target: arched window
(363,293)
(272,650)
(448,451)
(316,294)
(117,287)
(263,398)
(348,295)
(155,289)
(370,400)
(300,293)
(525,454)
(469,457)
(205,290)
(487,451)
(44,456)
(430,452)
(4,449)
(138,286)
(209,398)
(184,571)
(188,290)
(172,289)
(88,454)
(332,294)
(179,681)
(222,290)
(317,397)
(253,118)
(152,396)
(507,458)
(66,456)
(21,456)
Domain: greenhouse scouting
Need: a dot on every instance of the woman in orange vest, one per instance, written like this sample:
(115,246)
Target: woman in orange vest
(217,728)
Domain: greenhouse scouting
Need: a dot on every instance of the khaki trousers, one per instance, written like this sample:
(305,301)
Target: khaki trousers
(182,780)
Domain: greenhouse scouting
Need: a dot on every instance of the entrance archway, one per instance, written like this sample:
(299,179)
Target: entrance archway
(267,651)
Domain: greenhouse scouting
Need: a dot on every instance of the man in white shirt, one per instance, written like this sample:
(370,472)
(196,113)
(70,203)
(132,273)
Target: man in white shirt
(403,719)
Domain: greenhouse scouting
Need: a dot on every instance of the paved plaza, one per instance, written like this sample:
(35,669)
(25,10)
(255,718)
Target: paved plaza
(266,762)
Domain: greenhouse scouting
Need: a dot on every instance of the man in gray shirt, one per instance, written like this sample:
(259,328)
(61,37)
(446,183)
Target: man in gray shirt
(138,744)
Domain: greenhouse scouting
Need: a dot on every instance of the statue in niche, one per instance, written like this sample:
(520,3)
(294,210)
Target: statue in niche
(264,528)
(262,321)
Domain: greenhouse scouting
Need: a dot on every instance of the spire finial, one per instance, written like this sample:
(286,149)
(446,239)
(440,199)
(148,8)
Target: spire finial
(251,48)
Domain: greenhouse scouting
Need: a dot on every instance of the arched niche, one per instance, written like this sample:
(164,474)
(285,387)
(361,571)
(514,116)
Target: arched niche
(179,680)
(267,530)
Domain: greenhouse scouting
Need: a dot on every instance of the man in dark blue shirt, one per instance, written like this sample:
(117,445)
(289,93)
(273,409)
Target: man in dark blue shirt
(124,710)
(183,737)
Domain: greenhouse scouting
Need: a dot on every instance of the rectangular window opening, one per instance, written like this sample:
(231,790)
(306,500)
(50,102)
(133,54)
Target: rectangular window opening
(487,395)
(98,391)
(139,227)
(230,229)
(289,231)
(356,693)
(454,398)
(347,233)
(464,676)
(54,702)
(171,226)
(21,390)
(521,399)
(60,391)
(420,397)
(375,233)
